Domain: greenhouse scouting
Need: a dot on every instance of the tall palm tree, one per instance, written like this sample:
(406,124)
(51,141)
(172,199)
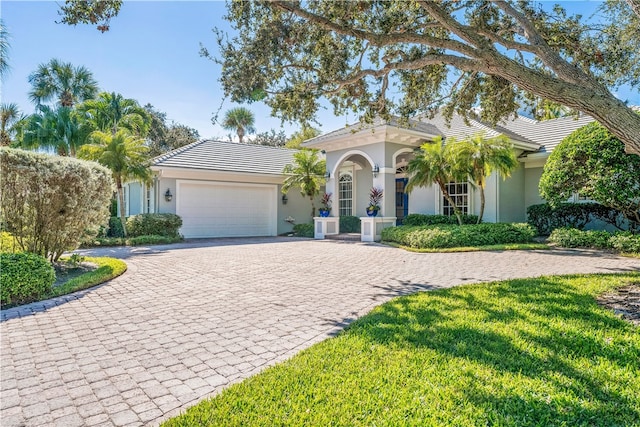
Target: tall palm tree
(9,116)
(110,112)
(4,49)
(60,129)
(433,164)
(62,82)
(239,119)
(479,156)
(124,154)
(306,173)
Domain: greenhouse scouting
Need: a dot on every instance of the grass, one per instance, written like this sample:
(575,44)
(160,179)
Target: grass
(107,269)
(505,247)
(529,352)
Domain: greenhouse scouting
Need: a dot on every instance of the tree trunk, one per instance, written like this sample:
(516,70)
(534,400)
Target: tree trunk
(122,211)
(481,204)
(240,134)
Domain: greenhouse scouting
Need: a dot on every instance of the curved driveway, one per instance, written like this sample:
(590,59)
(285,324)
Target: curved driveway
(186,320)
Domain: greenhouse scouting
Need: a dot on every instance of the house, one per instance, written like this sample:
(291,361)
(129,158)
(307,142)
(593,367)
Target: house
(376,155)
(226,189)
(221,189)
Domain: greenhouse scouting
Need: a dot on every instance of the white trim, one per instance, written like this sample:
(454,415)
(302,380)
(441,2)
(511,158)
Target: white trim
(349,154)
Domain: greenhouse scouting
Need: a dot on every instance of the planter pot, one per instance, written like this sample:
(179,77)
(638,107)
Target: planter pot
(325,212)
(372,212)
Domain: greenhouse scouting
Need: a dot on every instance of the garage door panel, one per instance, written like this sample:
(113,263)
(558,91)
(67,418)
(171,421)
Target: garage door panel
(216,209)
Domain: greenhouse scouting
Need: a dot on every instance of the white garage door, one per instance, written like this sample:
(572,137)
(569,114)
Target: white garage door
(219,209)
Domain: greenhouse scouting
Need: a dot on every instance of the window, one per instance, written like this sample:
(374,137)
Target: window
(148,199)
(345,195)
(459,192)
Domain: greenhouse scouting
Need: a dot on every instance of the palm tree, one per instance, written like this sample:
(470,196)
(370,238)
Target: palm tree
(239,119)
(62,82)
(4,49)
(433,165)
(60,129)
(9,116)
(110,112)
(124,154)
(306,173)
(480,156)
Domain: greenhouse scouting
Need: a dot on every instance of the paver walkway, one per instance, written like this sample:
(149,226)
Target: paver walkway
(185,321)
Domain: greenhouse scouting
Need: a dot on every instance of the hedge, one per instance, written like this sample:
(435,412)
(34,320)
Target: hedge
(450,236)
(25,278)
(349,224)
(546,218)
(156,224)
(573,238)
(423,219)
(303,230)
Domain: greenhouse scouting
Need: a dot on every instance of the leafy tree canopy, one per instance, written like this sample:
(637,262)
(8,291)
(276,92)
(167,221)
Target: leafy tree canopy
(410,57)
(94,12)
(272,138)
(163,137)
(307,132)
(591,162)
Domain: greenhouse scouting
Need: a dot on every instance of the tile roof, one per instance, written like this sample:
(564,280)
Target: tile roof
(228,157)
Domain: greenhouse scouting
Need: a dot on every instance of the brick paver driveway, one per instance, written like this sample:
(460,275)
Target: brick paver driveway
(186,320)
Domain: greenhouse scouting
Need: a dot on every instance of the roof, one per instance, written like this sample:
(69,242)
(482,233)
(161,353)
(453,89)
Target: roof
(409,125)
(228,157)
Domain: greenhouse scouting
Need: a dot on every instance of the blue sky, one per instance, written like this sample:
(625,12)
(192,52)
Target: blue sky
(150,54)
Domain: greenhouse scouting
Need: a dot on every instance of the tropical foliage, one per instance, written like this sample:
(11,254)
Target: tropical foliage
(240,120)
(59,129)
(163,136)
(63,83)
(50,203)
(9,116)
(434,163)
(94,12)
(4,49)
(408,57)
(307,174)
(110,112)
(122,153)
(479,156)
(592,162)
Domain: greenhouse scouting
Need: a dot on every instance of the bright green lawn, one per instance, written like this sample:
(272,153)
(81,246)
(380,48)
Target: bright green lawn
(535,352)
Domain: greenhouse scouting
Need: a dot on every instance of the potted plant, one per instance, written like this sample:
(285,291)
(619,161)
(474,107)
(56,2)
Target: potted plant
(375,196)
(326,204)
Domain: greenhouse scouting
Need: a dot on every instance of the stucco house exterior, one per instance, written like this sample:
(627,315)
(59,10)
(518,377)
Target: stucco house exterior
(223,189)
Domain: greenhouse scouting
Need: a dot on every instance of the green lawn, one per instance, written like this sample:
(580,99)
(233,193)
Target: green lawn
(503,247)
(534,352)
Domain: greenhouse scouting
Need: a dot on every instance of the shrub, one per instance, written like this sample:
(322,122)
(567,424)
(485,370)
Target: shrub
(130,241)
(422,219)
(303,230)
(574,238)
(50,203)
(156,224)
(115,227)
(25,277)
(625,242)
(349,224)
(546,218)
(449,236)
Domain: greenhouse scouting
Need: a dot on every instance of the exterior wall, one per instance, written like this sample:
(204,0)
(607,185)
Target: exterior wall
(423,201)
(361,187)
(297,207)
(531,192)
(162,186)
(512,197)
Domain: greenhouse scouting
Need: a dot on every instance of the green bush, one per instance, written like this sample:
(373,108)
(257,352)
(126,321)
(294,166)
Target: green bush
(422,219)
(349,224)
(574,238)
(303,230)
(50,203)
(546,218)
(115,227)
(25,277)
(450,236)
(156,224)
(130,241)
(625,242)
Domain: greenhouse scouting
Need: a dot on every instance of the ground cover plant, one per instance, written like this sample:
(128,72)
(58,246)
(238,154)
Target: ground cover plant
(130,241)
(526,352)
(451,236)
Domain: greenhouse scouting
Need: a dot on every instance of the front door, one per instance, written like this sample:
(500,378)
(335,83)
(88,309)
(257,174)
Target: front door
(402,200)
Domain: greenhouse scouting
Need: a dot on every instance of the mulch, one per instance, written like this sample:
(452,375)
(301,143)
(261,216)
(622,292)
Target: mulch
(624,302)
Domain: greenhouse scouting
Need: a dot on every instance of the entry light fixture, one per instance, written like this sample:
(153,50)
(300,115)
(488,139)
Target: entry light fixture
(327,175)
(375,170)
(167,195)
(285,199)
